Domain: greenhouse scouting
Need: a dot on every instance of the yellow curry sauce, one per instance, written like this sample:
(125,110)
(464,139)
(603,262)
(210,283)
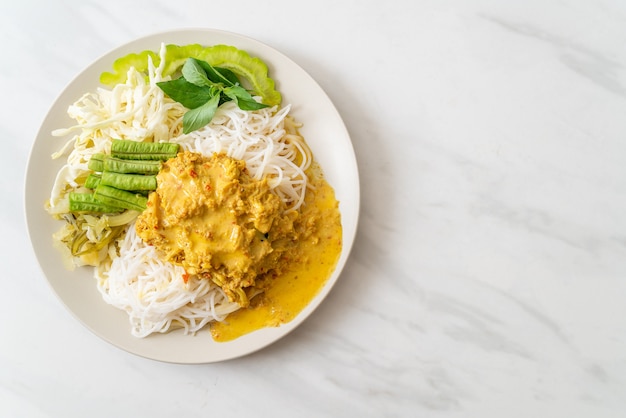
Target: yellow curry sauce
(310,264)
(209,216)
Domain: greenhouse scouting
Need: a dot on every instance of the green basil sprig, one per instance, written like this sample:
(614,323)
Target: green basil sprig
(202,88)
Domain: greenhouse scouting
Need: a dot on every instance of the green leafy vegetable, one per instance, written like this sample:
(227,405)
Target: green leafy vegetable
(185,93)
(194,73)
(243,98)
(200,116)
(202,89)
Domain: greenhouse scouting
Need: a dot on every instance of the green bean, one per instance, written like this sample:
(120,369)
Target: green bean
(119,165)
(86,202)
(93,180)
(123,179)
(122,198)
(130,182)
(96,162)
(134,150)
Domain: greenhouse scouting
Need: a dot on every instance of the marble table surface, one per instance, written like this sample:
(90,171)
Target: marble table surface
(488,275)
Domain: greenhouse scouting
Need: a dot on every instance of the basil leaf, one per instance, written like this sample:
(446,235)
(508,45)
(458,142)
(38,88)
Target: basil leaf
(202,89)
(200,116)
(250,104)
(216,76)
(229,75)
(194,73)
(237,92)
(243,98)
(185,93)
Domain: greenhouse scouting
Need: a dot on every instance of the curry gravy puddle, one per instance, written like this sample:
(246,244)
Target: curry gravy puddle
(310,264)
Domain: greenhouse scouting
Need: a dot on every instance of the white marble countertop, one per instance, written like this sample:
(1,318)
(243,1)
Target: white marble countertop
(488,277)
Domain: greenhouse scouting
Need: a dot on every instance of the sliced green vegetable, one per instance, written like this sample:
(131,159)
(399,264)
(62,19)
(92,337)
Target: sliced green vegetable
(96,162)
(123,64)
(122,183)
(130,182)
(78,242)
(81,245)
(134,150)
(254,70)
(92,181)
(121,198)
(118,165)
(175,56)
(123,218)
(223,57)
(87,202)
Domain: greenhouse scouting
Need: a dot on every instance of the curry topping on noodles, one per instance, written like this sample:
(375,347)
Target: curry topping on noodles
(211,217)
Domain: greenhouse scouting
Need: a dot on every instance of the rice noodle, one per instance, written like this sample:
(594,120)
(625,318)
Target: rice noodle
(153,292)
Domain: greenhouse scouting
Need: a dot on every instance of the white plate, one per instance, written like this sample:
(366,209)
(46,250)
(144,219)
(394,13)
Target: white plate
(323,129)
